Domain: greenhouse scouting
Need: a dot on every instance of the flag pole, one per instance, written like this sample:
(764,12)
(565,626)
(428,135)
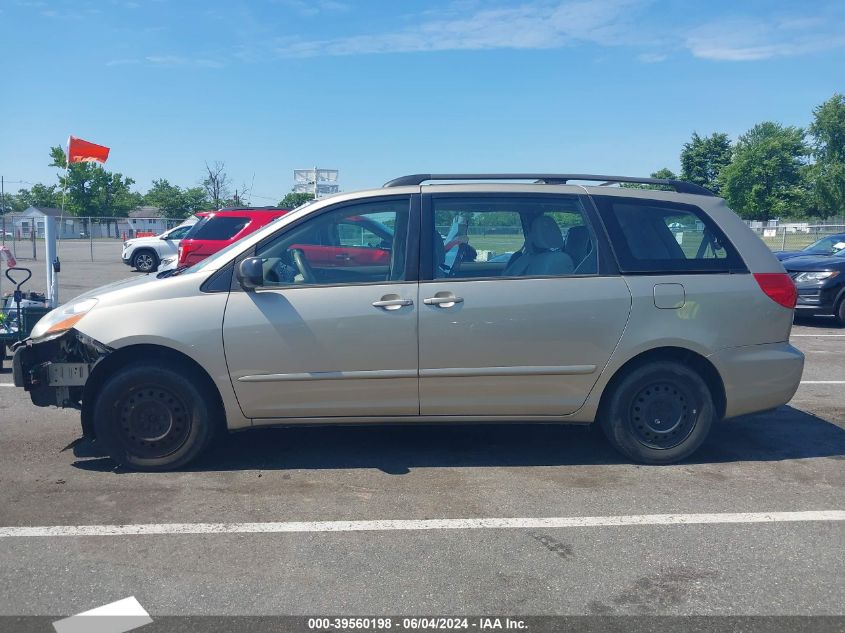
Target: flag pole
(64,182)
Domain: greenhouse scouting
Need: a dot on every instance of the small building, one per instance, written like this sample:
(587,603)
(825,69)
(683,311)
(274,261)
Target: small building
(22,225)
(146,220)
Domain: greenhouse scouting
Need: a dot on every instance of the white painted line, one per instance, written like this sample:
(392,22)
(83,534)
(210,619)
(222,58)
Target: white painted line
(144,529)
(823,382)
(812,335)
(117,617)
(6,384)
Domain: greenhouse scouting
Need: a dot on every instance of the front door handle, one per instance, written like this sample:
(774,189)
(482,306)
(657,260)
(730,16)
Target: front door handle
(443,301)
(392,302)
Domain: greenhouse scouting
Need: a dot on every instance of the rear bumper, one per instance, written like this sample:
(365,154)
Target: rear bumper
(758,377)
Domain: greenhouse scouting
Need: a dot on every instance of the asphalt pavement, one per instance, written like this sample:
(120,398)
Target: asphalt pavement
(788,461)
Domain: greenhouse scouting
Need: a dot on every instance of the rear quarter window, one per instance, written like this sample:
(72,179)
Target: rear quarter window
(657,237)
(217,228)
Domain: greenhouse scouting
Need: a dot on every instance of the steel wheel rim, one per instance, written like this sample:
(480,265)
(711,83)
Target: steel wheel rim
(153,421)
(663,414)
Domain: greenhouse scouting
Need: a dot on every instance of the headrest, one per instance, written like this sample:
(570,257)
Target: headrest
(578,239)
(545,234)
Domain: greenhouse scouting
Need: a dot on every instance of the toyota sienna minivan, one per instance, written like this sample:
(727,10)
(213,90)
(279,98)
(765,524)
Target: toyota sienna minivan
(504,298)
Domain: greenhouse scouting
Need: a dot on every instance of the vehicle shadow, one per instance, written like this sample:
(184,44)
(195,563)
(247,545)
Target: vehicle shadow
(786,433)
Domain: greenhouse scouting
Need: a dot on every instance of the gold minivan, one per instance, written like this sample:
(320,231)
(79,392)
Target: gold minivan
(495,298)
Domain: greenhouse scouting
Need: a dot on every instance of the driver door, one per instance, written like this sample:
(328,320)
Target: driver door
(321,340)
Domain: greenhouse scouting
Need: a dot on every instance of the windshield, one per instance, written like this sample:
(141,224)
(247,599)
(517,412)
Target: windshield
(830,245)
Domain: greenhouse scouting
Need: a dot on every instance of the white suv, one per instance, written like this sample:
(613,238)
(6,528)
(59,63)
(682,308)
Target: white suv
(146,253)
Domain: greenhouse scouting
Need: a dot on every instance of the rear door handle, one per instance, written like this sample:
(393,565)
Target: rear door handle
(443,302)
(392,304)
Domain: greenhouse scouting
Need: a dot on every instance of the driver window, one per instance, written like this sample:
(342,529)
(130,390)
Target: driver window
(361,243)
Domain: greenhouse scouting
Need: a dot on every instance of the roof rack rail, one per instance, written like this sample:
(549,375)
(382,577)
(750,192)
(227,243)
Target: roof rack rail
(680,186)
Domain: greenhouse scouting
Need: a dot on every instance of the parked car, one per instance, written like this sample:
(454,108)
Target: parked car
(820,280)
(144,254)
(602,313)
(827,245)
(218,229)
(355,242)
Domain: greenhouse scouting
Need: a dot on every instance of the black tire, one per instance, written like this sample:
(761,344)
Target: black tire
(658,413)
(839,313)
(145,261)
(154,418)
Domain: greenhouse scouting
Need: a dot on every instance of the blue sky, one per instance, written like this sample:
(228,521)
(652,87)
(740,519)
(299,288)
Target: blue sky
(378,89)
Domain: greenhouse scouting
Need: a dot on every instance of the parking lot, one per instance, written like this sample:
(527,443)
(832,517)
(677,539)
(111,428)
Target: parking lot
(721,552)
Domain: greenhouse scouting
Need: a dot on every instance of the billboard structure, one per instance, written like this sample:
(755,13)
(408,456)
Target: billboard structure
(320,182)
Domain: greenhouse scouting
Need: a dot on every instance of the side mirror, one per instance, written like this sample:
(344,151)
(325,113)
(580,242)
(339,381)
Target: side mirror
(250,273)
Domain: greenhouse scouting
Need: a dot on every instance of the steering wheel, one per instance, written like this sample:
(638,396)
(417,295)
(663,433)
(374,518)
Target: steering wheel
(304,267)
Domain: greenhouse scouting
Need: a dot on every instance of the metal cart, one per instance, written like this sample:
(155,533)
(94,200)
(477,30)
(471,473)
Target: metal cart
(17,319)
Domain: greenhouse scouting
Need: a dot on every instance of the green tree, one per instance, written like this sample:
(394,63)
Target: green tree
(39,196)
(174,201)
(766,177)
(9,203)
(704,157)
(167,197)
(91,191)
(194,199)
(664,173)
(827,174)
(294,199)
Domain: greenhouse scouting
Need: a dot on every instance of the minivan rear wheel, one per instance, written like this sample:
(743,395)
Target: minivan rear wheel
(153,418)
(658,413)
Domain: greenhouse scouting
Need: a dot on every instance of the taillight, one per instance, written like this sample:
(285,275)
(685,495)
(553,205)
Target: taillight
(183,252)
(778,287)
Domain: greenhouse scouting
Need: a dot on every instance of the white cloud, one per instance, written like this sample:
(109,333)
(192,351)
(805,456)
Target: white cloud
(178,60)
(123,62)
(533,25)
(752,39)
(309,8)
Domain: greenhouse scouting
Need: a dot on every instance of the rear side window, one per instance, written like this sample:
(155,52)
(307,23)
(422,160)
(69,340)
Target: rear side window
(217,228)
(650,236)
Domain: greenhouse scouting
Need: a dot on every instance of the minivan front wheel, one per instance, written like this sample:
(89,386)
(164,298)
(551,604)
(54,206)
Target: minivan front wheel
(153,418)
(658,413)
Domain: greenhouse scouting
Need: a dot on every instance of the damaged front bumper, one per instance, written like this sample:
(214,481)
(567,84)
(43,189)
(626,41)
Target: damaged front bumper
(54,370)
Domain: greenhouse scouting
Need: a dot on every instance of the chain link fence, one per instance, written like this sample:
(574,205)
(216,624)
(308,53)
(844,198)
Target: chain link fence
(89,250)
(79,239)
(797,236)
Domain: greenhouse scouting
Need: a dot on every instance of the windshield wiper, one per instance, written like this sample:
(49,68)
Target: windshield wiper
(172,273)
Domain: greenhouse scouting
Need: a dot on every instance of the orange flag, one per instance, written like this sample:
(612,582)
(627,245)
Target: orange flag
(79,151)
